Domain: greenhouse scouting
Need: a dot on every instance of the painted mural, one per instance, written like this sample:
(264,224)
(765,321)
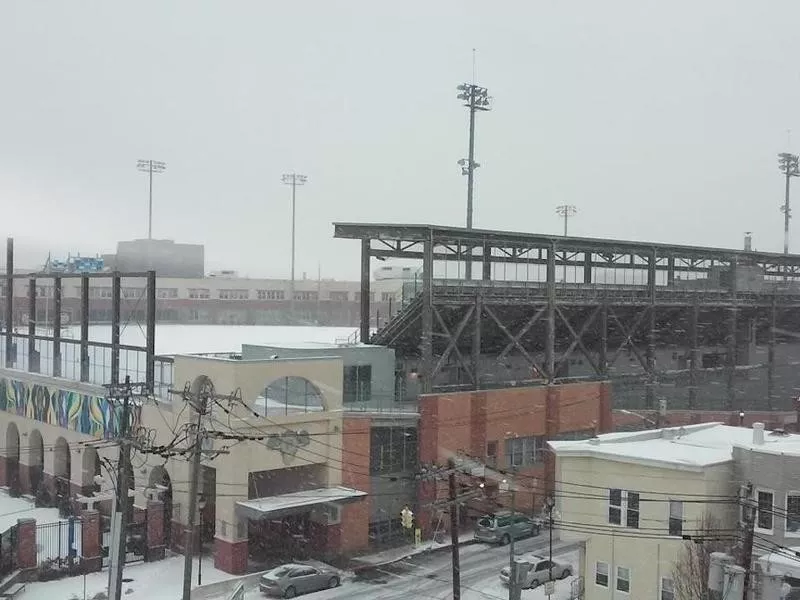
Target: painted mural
(91,415)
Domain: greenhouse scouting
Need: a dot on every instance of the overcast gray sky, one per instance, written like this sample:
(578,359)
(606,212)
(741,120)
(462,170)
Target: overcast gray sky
(659,120)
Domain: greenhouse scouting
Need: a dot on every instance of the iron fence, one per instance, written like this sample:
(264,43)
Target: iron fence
(8,551)
(58,548)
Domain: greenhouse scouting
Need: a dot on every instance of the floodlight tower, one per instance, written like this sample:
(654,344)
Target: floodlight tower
(566,211)
(293,179)
(789,165)
(476,99)
(150,167)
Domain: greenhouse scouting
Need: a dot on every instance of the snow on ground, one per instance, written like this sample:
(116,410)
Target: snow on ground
(186,339)
(494,588)
(161,580)
(13,509)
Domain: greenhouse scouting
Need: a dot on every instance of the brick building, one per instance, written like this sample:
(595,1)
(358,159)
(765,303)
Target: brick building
(506,430)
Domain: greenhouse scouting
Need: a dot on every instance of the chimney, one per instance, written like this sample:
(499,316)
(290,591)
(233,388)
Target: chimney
(748,241)
(758,434)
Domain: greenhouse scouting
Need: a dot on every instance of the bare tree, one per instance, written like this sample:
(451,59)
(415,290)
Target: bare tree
(690,571)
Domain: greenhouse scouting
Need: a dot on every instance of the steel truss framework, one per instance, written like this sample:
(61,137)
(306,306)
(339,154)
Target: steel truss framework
(456,323)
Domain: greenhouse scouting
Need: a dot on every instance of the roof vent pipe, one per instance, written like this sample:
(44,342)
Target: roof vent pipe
(758,434)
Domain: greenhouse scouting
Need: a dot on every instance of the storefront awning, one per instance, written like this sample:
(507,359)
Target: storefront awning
(295,502)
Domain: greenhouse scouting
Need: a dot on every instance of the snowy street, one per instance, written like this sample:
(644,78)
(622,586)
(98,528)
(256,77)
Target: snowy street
(429,576)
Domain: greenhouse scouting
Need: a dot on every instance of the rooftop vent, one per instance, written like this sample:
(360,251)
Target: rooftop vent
(779,433)
(758,434)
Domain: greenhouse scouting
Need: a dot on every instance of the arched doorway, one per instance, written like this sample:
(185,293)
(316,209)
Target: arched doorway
(36,467)
(12,459)
(160,480)
(62,473)
(91,469)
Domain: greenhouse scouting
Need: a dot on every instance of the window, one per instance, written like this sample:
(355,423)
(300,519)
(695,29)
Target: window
(357,384)
(270,294)
(793,513)
(167,292)
(601,574)
(624,580)
(132,292)
(524,451)
(491,454)
(306,296)
(387,296)
(623,508)
(338,296)
(203,293)
(764,514)
(234,294)
(393,450)
(675,517)
(667,589)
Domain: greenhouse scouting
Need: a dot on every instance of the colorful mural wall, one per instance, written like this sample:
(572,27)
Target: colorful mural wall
(91,415)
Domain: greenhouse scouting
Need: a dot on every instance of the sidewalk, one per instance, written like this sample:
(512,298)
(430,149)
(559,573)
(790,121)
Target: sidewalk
(393,555)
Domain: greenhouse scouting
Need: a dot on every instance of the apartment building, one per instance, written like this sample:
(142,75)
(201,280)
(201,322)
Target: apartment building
(634,497)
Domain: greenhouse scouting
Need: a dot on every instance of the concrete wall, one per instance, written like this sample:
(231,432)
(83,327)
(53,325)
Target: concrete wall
(380,358)
(582,486)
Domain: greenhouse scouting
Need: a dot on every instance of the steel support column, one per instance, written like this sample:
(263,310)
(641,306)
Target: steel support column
(116,299)
(603,354)
(550,341)
(150,342)
(587,267)
(694,354)
(10,303)
(771,353)
(365,291)
(731,341)
(476,341)
(650,389)
(33,355)
(426,368)
(84,348)
(487,262)
(57,326)
(671,271)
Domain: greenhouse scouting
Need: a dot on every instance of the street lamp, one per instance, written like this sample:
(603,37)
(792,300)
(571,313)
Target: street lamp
(151,167)
(293,179)
(475,98)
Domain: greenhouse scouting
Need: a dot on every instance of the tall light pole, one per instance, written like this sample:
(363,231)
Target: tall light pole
(293,179)
(150,167)
(566,211)
(475,98)
(789,165)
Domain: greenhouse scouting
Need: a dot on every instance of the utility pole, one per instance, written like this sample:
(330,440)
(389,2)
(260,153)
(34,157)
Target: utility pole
(551,504)
(566,211)
(150,167)
(119,524)
(475,98)
(514,589)
(453,501)
(746,557)
(293,179)
(198,397)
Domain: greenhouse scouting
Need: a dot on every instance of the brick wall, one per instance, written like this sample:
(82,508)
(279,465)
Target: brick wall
(466,422)
(90,541)
(355,474)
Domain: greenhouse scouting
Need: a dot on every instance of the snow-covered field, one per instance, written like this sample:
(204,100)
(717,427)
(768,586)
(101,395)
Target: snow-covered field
(13,509)
(162,580)
(183,339)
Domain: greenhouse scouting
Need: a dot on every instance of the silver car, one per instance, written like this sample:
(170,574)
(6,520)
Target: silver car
(538,572)
(290,580)
(500,527)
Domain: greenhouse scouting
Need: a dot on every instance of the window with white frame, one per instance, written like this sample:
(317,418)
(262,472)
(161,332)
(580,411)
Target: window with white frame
(676,517)
(524,451)
(667,588)
(623,508)
(793,513)
(764,511)
(601,574)
(623,580)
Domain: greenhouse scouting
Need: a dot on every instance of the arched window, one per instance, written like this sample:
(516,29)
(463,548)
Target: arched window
(290,395)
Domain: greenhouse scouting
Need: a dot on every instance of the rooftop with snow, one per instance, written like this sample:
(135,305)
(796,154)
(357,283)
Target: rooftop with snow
(691,447)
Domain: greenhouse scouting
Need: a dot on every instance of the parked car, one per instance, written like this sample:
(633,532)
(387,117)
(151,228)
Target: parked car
(539,571)
(500,527)
(290,580)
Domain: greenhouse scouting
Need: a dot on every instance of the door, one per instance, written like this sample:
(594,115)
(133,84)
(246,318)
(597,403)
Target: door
(304,579)
(522,526)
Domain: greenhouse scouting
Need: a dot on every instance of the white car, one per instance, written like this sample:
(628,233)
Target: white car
(539,571)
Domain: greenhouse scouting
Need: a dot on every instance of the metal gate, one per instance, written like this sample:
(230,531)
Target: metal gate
(135,542)
(58,548)
(8,551)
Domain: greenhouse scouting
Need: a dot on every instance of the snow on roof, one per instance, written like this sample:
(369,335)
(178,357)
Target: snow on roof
(692,447)
(283,504)
(785,561)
